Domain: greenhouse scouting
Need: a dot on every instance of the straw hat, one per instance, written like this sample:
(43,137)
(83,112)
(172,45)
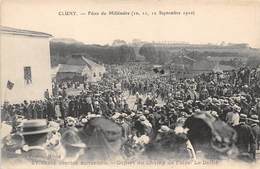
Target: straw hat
(254,118)
(39,126)
(146,112)
(243,116)
(142,118)
(164,129)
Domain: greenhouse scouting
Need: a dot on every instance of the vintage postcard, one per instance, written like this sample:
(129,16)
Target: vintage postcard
(130,84)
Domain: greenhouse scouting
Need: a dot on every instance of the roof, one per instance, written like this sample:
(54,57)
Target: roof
(82,61)
(182,59)
(90,63)
(64,68)
(15,31)
(75,60)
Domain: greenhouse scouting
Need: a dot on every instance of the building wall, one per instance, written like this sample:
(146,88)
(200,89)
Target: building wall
(63,76)
(17,52)
(97,70)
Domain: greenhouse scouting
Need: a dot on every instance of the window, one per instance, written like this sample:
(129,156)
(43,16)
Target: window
(27,75)
(100,74)
(94,74)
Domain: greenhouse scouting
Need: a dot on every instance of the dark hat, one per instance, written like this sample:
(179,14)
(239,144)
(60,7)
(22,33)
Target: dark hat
(157,107)
(139,113)
(225,102)
(31,127)
(71,138)
(172,110)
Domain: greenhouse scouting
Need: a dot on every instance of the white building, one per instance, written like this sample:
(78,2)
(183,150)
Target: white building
(79,68)
(25,62)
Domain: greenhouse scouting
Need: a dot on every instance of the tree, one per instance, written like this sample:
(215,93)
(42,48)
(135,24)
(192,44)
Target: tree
(149,52)
(119,42)
(253,61)
(164,56)
(61,51)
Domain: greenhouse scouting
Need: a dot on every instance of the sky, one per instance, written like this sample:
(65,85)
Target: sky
(214,22)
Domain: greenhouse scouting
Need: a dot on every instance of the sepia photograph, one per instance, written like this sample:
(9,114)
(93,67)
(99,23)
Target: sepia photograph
(124,84)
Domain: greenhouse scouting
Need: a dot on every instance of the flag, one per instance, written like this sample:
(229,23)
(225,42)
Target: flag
(10,85)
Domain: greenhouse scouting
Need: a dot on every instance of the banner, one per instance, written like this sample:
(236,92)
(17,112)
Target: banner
(10,85)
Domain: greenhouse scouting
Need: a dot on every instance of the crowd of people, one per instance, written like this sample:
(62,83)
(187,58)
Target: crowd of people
(213,115)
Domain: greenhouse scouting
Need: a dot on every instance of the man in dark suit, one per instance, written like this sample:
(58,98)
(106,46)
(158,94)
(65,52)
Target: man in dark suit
(254,123)
(72,107)
(245,139)
(50,109)
(35,134)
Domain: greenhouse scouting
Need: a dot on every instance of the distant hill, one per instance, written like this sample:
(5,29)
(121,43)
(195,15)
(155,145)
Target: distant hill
(120,52)
(165,52)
